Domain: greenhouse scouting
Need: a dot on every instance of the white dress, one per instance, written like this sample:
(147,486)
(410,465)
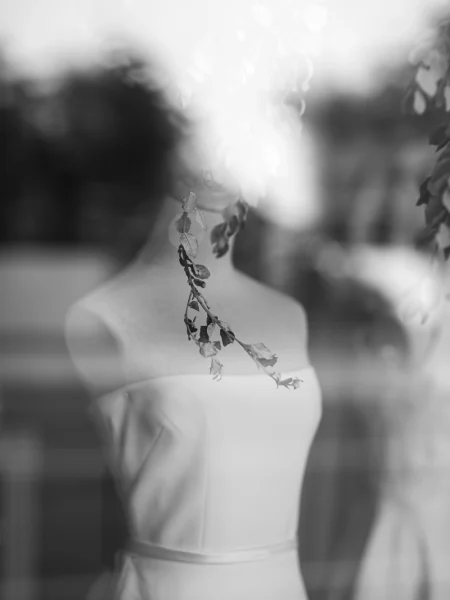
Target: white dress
(407,556)
(408,553)
(211,475)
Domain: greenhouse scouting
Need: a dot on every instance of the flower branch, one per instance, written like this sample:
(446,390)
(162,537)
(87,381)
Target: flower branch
(197,274)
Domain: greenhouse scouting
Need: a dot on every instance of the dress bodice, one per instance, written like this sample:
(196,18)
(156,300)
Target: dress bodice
(207,466)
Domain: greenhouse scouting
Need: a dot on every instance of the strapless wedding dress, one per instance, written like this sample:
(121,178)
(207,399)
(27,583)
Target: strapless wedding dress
(211,475)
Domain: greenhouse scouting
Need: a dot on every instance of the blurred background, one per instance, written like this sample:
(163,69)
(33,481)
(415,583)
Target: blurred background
(75,155)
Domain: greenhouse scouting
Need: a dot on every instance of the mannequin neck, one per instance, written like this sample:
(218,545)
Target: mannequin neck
(159,252)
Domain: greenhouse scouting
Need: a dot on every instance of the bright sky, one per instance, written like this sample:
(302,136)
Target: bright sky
(43,36)
(361,34)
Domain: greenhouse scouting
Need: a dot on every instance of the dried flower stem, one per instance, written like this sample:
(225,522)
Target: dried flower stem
(259,353)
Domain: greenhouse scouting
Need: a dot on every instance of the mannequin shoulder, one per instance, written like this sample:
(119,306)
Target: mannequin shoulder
(281,304)
(290,314)
(93,347)
(83,321)
(284,317)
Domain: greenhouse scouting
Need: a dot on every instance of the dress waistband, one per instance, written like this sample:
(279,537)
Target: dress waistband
(147,550)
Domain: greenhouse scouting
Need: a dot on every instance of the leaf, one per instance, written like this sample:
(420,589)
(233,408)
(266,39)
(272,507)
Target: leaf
(445,199)
(435,213)
(190,202)
(285,382)
(199,282)
(441,173)
(426,81)
(200,219)
(219,239)
(189,243)
(211,328)
(447,98)
(204,336)
(268,362)
(218,233)
(261,353)
(221,249)
(234,218)
(408,101)
(238,210)
(233,226)
(443,237)
(183,225)
(227,337)
(202,272)
(207,349)
(440,137)
(194,305)
(191,326)
(289,382)
(424,192)
(296,383)
(419,103)
(243,211)
(216,369)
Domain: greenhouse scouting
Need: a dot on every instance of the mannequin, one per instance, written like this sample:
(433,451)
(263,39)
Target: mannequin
(210,471)
(143,289)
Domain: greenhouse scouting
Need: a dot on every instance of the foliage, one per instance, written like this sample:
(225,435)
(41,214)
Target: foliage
(429,92)
(215,334)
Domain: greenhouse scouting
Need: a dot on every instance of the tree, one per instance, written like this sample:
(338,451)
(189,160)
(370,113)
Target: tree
(429,93)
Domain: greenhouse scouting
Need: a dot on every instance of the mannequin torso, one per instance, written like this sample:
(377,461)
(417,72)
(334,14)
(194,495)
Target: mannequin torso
(210,471)
(138,333)
(134,323)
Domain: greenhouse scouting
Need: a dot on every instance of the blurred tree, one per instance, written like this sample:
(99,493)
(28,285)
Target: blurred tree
(428,97)
(13,148)
(85,154)
(372,153)
(120,133)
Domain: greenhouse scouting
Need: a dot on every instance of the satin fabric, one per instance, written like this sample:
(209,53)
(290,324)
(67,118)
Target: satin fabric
(144,549)
(207,467)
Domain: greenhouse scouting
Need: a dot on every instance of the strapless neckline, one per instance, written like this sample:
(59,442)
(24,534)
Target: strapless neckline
(210,474)
(207,378)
